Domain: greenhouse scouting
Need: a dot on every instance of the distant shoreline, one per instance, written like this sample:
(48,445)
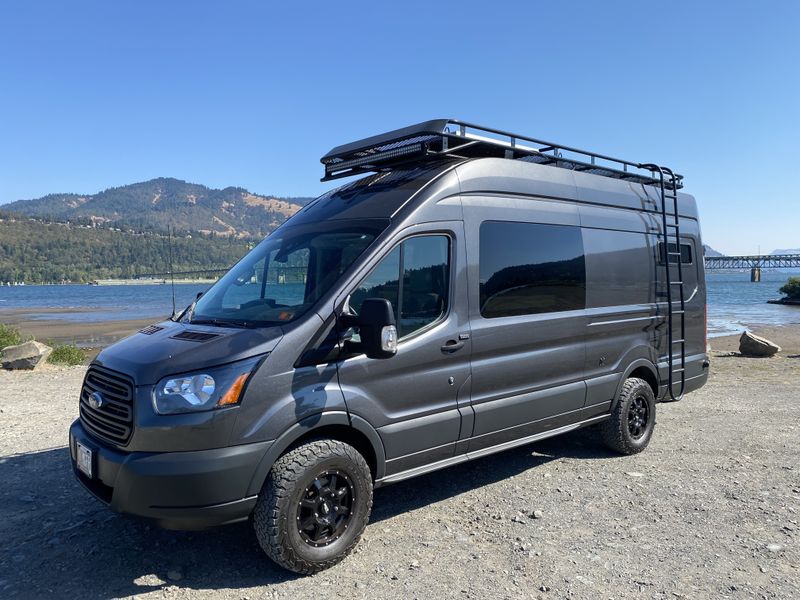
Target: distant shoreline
(785,302)
(104,282)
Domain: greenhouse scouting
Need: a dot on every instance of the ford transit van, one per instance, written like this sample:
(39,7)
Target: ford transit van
(473,291)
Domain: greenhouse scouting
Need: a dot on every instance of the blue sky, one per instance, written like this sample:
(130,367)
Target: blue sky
(99,94)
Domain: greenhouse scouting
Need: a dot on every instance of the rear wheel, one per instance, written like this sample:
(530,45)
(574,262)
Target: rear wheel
(633,418)
(314,506)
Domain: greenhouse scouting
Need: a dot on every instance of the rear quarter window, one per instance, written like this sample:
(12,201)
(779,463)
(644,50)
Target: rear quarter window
(620,268)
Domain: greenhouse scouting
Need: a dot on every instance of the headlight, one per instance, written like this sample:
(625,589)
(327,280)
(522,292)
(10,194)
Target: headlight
(204,390)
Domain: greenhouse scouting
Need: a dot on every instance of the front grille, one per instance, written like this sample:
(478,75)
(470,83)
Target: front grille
(113,420)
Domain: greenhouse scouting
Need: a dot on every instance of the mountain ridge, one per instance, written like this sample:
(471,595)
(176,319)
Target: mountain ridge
(709,251)
(166,202)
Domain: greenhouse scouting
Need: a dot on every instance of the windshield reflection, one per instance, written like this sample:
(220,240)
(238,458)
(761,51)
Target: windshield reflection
(283,277)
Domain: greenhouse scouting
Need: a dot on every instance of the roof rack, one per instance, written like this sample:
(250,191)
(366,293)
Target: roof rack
(450,138)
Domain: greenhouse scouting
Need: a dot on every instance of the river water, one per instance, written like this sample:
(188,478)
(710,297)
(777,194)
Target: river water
(734,303)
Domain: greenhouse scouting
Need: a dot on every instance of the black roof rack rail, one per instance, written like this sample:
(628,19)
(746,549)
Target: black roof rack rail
(451,138)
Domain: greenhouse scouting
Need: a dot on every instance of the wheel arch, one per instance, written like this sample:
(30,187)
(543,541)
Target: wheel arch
(337,425)
(643,369)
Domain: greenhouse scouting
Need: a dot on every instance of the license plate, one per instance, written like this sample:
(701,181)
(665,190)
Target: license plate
(85,459)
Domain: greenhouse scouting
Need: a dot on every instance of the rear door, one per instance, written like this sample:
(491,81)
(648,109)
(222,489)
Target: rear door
(412,398)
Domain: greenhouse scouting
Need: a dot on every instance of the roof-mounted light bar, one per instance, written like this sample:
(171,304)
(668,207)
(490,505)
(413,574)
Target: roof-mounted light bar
(450,138)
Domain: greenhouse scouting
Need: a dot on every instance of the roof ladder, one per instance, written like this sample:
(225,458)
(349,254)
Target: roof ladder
(676,299)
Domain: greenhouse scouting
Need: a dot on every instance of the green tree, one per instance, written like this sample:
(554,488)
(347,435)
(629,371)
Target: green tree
(791,288)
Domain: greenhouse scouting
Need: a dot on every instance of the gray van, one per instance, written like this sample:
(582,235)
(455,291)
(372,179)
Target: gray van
(476,290)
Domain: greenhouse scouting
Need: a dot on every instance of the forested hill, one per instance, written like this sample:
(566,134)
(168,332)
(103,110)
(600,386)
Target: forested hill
(165,202)
(34,251)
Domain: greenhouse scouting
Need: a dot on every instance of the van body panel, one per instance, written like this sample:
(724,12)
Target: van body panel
(500,176)
(148,358)
(279,395)
(297,431)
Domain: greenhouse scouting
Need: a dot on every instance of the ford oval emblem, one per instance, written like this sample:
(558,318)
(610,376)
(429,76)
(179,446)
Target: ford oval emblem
(96,400)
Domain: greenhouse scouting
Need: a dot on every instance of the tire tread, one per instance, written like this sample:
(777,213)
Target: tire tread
(278,487)
(613,429)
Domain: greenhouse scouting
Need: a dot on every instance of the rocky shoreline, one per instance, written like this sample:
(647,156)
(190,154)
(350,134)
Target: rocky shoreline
(785,301)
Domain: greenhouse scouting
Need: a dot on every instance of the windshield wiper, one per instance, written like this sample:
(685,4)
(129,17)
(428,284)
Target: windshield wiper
(222,323)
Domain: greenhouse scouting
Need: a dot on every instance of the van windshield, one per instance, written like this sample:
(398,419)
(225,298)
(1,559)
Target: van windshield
(282,277)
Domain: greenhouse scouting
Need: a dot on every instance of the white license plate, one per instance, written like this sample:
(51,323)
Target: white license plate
(85,459)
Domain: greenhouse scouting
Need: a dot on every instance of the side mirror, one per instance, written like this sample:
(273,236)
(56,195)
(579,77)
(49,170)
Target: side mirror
(377,329)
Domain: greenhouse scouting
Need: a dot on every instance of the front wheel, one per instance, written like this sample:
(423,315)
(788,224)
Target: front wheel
(314,506)
(633,418)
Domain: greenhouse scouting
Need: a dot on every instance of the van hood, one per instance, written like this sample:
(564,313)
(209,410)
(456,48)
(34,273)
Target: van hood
(170,348)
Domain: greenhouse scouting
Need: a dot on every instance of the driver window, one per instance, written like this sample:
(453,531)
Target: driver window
(382,282)
(421,292)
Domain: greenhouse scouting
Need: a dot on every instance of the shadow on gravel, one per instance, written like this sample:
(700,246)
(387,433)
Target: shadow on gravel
(60,541)
(441,485)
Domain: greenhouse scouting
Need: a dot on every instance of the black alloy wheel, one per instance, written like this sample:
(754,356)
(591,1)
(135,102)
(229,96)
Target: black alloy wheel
(630,425)
(314,505)
(324,512)
(638,417)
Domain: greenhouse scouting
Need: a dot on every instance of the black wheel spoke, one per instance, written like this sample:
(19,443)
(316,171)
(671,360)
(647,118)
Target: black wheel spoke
(324,511)
(638,417)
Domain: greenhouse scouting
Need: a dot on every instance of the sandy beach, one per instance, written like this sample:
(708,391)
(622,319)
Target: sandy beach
(90,335)
(787,337)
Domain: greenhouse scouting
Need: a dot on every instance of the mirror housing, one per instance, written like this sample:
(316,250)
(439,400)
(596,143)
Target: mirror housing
(377,328)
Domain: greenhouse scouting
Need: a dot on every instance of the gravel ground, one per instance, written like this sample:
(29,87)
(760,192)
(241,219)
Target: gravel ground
(709,510)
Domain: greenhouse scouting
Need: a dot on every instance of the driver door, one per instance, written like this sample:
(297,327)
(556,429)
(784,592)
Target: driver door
(412,398)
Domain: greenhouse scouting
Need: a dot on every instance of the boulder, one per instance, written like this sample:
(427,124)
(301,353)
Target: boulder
(29,355)
(753,345)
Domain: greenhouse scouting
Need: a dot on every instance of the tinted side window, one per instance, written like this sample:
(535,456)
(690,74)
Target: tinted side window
(686,253)
(382,282)
(422,290)
(529,268)
(619,267)
(425,282)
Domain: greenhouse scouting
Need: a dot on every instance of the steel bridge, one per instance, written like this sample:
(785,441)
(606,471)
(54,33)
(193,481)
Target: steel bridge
(165,274)
(754,262)
(757,261)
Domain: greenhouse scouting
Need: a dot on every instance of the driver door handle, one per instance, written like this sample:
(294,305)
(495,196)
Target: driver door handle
(452,346)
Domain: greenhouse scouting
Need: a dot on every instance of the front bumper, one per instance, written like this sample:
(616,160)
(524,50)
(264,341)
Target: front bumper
(179,490)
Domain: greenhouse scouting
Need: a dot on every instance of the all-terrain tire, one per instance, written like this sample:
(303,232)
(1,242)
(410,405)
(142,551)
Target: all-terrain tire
(633,418)
(277,512)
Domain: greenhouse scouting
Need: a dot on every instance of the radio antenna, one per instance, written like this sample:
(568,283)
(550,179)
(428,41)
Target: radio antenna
(171,269)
